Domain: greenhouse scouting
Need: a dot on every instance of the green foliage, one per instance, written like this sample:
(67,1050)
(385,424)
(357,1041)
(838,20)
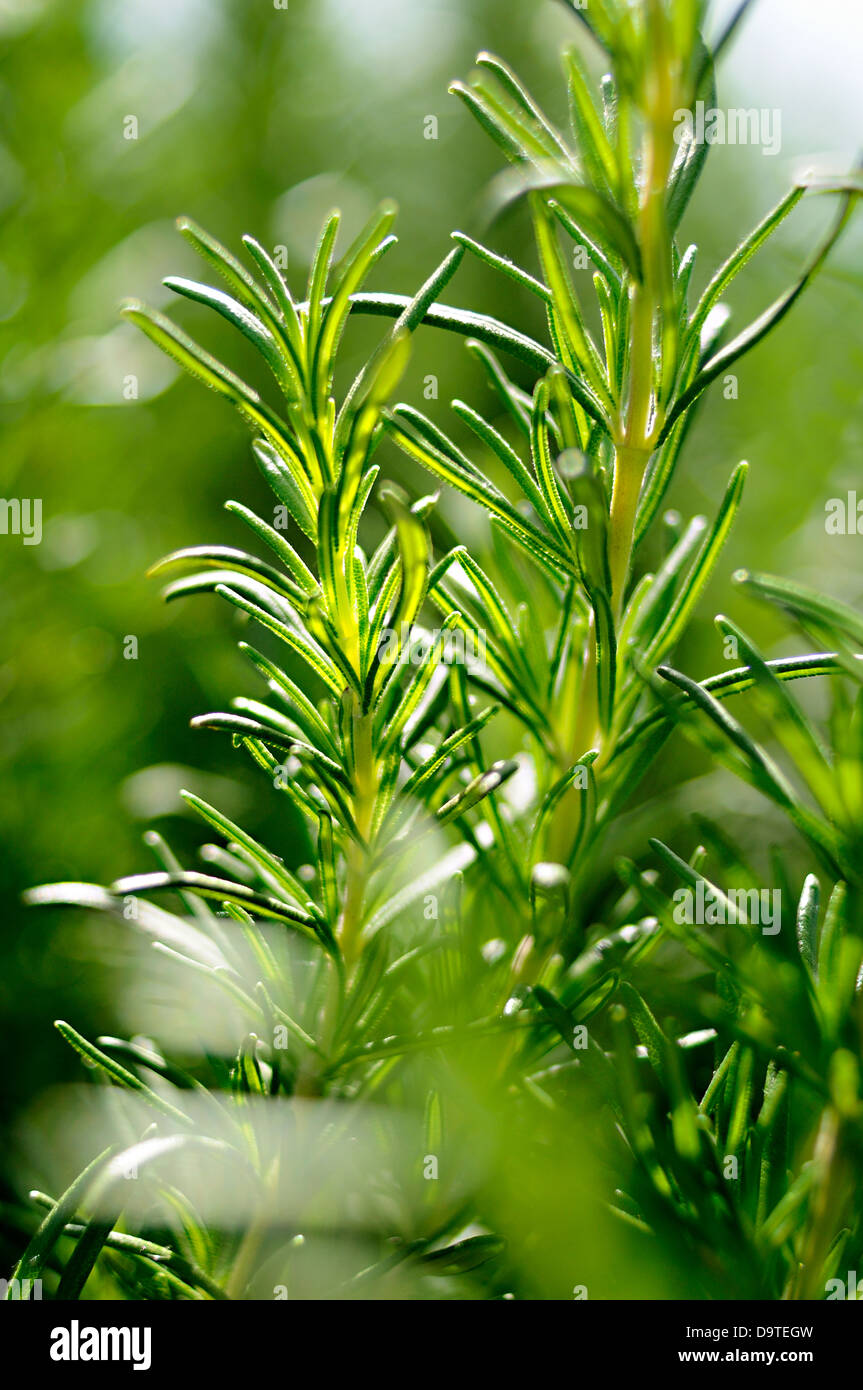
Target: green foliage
(442,952)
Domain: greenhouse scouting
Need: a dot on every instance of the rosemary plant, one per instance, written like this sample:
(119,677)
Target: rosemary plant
(439,957)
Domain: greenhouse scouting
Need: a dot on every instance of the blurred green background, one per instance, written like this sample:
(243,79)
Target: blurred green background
(252,117)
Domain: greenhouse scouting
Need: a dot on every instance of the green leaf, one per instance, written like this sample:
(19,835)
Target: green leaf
(40,1248)
(239,317)
(723,39)
(611,272)
(658,476)
(318,274)
(272,868)
(555,795)
(391,722)
(744,253)
(514,401)
(121,1075)
(477,790)
(418,308)
(650,1035)
(772,1131)
(80,1265)
(422,776)
(505,265)
(173,341)
(441,873)
(541,451)
(287,329)
(606,659)
(741,1098)
(693,878)
(211,581)
(352,272)
(177,345)
(807,920)
(587,491)
(763,325)
(482,327)
(229,561)
(233,271)
(832,930)
(482,492)
(789,723)
(516,133)
(522,98)
(589,209)
(301,707)
(296,567)
(414,554)
(805,604)
(565,312)
(588,129)
(703,566)
(298,641)
(662,586)
(141,1056)
(161,925)
(289,483)
(507,455)
(559,1017)
(221,889)
(756,767)
(728,683)
(494,612)
(378,380)
(436,436)
(692,154)
(360,414)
